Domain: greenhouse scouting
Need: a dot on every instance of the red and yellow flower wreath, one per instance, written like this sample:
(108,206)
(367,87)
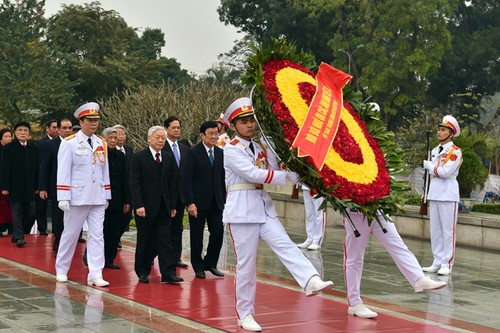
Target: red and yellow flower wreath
(354,163)
(356,171)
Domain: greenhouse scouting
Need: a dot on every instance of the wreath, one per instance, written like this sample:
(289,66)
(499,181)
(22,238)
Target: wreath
(363,157)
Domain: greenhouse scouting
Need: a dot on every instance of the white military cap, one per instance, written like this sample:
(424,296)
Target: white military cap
(450,122)
(223,121)
(89,110)
(239,108)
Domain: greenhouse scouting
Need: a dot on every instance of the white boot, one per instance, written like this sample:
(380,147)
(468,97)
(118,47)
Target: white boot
(361,311)
(316,286)
(249,324)
(99,282)
(313,247)
(431,269)
(426,283)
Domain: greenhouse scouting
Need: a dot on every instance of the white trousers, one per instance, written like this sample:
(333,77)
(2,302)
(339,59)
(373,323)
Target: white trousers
(354,253)
(315,219)
(73,223)
(443,226)
(245,238)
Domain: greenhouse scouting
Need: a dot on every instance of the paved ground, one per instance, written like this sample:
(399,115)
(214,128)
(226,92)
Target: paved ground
(30,300)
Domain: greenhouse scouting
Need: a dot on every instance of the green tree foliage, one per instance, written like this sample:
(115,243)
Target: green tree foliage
(470,70)
(472,174)
(391,46)
(103,55)
(32,87)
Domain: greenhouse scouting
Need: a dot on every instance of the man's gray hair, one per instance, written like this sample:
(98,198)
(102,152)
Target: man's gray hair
(120,127)
(153,129)
(109,130)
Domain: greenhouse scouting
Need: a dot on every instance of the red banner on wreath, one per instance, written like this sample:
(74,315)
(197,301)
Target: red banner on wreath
(315,136)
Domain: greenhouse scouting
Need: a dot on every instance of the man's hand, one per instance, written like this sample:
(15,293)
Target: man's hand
(5,192)
(126,208)
(173,212)
(192,210)
(64,205)
(43,195)
(140,212)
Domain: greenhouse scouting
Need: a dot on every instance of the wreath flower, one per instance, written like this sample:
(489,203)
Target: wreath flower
(354,163)
(358,167)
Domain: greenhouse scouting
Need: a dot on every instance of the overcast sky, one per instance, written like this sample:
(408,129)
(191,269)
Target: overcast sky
(193,33)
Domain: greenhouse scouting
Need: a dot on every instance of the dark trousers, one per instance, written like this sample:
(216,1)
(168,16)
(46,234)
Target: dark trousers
(41,213)
(176,230)
(125,221)
(154,232)
(111,234)
(57,223)
(213,217)
(22,218)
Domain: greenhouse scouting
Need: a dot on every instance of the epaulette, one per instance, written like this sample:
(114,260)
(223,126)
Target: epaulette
(102,138)
(234,141)
(455,147)
(70,137)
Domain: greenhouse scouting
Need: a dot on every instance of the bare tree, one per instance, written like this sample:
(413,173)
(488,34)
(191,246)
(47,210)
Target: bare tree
(147,106)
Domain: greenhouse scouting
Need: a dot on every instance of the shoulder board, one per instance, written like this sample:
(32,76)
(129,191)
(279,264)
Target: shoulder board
(100,137)
(456,147)
(70,137)
(234,141)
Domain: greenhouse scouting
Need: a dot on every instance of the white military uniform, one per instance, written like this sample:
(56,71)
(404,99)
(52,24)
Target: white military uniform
(251,216)
(354,253)
(83,180)
(443,199)
(315,218)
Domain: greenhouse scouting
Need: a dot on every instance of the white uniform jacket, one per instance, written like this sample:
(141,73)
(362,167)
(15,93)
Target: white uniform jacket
(245,170)
(223,140)
(443,173)
(82,171)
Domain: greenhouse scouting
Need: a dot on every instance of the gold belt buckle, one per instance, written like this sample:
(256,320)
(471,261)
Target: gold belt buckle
(259,186)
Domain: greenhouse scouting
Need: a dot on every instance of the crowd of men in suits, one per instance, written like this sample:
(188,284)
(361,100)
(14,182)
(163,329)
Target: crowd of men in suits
(95,181)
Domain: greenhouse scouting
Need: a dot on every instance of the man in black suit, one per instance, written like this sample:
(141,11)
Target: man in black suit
(129,153)
(52,132)
(48,179)
(172,126)
(203,189)
(19,180)
(154,190)
(120,197)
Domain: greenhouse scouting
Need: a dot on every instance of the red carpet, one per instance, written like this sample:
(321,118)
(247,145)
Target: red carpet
(211,301)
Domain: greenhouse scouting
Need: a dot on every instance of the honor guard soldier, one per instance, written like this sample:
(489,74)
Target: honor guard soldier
(251,215)
(222,127)
(444,196)
(83,191)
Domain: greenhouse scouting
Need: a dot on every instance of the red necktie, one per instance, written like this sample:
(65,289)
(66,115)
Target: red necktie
(158,158)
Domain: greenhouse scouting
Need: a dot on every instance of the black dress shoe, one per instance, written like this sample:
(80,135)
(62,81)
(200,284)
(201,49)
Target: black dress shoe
(181,264)
(20,243)
(200,275)
(81,240)
(112,266)
(215,271)
(44,233)
(143,279)
(171,279)
(85,262)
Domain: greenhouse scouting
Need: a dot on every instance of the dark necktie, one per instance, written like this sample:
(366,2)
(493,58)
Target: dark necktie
(211,156)
(440,149)
(251,147)
(158,161)
(89,140)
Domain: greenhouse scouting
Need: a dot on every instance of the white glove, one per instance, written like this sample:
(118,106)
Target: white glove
(107,204)
(293,177)
(428,165)
(64,205)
